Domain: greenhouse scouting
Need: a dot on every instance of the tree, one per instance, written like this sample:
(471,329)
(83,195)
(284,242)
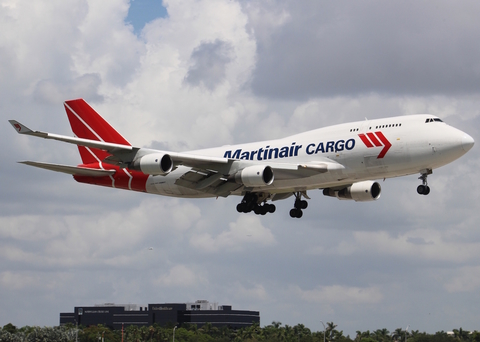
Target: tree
(10,328)
(461,335)
(398,334)
(381,335)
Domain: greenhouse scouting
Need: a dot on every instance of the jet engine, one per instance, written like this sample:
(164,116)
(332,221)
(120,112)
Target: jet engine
(257,175)
(153,164)
(360,192)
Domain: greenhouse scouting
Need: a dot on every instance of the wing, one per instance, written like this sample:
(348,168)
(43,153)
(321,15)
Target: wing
(209,174)
(109,147)
(223,177)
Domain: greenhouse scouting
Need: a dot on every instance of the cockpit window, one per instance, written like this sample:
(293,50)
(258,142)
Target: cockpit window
(433,120)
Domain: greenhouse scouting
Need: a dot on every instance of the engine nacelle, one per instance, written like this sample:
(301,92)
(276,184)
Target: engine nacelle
(360,192)
(154,164)
(257,175)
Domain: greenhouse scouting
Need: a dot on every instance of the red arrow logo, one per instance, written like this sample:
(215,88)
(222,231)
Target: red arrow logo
(376,139)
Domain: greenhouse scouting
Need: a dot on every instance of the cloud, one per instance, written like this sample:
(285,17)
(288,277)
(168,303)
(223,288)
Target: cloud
(466,279)
(358,49)
(52,92)
(254,293)
(209,64)
(180,275)
(425,244)
(246,230)
(338,294)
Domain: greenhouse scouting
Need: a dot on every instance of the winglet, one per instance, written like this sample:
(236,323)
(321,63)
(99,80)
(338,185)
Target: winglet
(20,128)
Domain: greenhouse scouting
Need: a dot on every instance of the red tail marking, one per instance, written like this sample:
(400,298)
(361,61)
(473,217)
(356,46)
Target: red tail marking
(86,123)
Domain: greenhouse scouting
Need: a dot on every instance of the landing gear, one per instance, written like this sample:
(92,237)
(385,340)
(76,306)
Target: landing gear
(299,204)
(256,203)
(424,189)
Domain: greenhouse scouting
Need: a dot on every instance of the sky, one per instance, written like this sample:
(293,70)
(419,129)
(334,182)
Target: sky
(192,74)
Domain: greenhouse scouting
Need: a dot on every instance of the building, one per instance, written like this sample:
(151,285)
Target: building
(199,313)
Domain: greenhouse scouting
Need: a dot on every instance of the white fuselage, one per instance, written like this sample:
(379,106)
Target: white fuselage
(364,150)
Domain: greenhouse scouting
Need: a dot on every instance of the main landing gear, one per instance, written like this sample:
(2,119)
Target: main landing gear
(424,189)
(299,204)
(256,203)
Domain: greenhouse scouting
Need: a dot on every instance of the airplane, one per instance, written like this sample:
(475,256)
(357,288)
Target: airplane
(343,160)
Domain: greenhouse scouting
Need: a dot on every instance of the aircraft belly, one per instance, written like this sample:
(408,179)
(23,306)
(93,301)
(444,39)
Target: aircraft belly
(307,183)
(165,186)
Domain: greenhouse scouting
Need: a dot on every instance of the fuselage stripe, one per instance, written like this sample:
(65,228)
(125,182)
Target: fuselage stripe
(365,140)
(374,139)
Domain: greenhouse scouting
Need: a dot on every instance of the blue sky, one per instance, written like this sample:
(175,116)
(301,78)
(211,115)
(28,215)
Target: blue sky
(144,11)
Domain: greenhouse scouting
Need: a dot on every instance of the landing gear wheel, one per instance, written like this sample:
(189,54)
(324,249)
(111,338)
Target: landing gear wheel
(299,204)
(256,202)
(270,208)
(420,189)
(424,189)
(296,213)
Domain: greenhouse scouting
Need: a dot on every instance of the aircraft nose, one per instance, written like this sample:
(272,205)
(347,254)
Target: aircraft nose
(467,142)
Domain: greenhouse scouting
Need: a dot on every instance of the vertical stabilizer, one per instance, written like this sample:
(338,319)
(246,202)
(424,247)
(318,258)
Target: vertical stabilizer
(86,123)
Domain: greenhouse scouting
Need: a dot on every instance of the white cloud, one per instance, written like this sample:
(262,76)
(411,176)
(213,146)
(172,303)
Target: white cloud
(420,244)
(254,293)
(247,230)
(466,279)
(339,294)
(181,276)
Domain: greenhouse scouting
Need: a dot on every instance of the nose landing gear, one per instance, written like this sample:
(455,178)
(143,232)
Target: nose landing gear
(424,189)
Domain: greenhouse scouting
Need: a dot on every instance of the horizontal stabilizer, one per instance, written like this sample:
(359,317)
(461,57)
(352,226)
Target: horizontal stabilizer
(71,170)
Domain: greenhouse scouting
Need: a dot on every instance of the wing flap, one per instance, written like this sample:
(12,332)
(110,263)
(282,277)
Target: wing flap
(211,183)
(71,170)
(290,171)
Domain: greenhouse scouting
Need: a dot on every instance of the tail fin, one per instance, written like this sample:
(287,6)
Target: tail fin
(86,123)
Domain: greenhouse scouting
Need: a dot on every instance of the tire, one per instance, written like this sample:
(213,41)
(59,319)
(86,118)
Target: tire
(421,189)
(293,213)
(296,213)
(271,208)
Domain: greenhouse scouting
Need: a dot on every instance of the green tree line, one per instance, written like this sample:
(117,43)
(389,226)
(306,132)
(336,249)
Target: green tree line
(275,332)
